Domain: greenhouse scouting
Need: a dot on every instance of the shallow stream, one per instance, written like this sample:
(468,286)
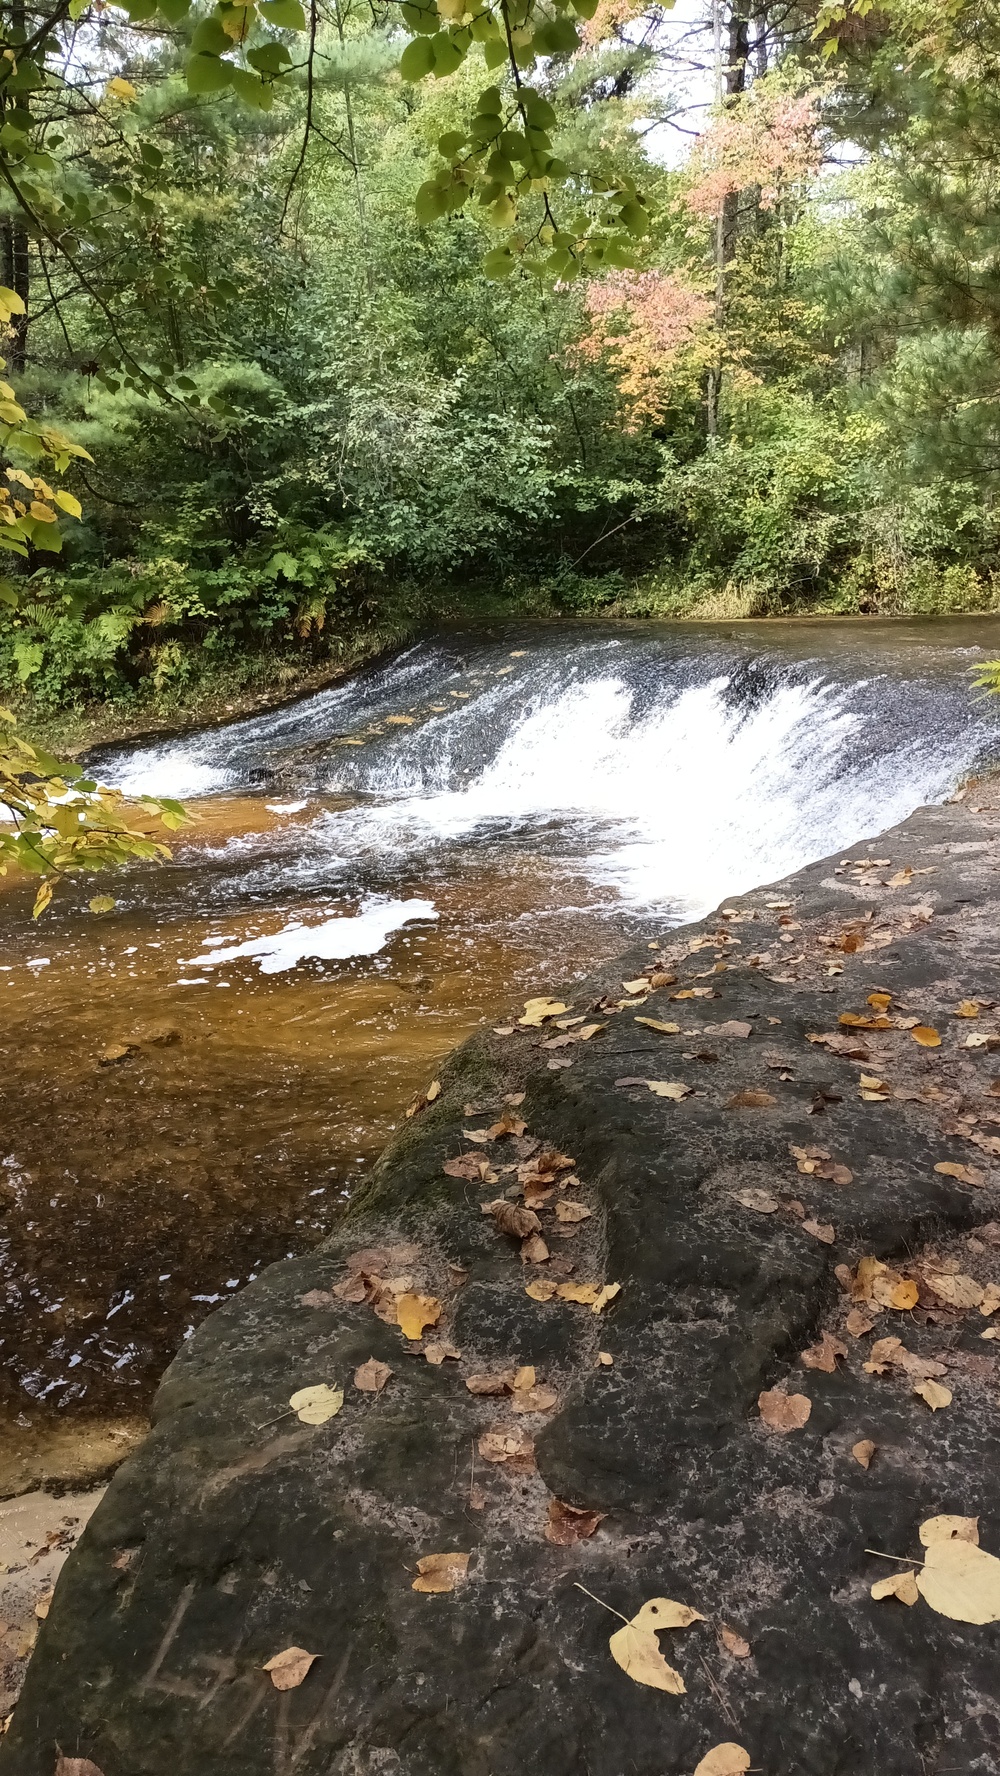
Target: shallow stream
(376,870)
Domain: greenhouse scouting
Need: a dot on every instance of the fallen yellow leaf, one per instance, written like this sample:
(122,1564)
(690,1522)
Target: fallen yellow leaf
(905,1295)
(314,1405)
(949,1528)
(724,1760)
(926,1035)
(655,1024)
(961,1581)
(936,1396)
(415,1312)
(441,1572)
(670,1088)
(536,1011)
(863,1452)
(969,1008)
(950,1168)
(287,1670)
(541,1290)
(636,1649)
(902,1585)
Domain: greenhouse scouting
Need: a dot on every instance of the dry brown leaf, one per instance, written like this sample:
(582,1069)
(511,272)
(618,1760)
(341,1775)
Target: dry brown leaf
(639,985)
(734,1643)
(961,1581)
(509,1218)
(926,1035)
(783,1412)
(727,1759)
(949,1168)
(969,1008)
(571,1212)
(74,1766)
(958,1291)
(534,1250)
(43,1604)
(470,1166)
(820,1230)
(542,1289)
(761,1200)
(513,1449)
(437,1352)
(902,1585)
(323,1297)
(935,1395)
(314,1405)
(441,1572)
(524,1377)
(750,1100)
(568,1524)
(507,1125)
(852,1047)
(948,1528)
(661,1029)
(414,1313)
(372,1376)
(605,1360)
(537,1011)
(824,1354)
(669,1088)
(863,1451)
(491,1384)
(585,1294)
(288,1669)
(991,1299)
(858,1323)
(536,1399)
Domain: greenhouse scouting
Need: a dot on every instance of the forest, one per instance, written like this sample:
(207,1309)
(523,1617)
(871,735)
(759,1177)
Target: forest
(329,321)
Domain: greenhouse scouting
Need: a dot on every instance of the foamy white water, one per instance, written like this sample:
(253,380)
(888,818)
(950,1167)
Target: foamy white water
(667,768)
(335,939)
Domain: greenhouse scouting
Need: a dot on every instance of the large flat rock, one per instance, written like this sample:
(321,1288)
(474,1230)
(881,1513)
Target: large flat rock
(237,1531)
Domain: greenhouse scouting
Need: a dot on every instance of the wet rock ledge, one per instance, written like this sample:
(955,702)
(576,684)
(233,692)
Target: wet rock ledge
(637,1462)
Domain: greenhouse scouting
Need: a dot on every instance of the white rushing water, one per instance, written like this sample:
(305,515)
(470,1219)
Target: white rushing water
(666,775)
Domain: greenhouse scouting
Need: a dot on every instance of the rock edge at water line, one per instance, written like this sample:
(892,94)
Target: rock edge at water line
(238,1531)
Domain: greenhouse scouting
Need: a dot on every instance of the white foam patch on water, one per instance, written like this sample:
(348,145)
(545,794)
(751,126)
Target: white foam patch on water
(172,771)
(692,799)
(335,939)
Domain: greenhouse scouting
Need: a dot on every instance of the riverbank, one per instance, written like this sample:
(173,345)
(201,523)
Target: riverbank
(747,1343)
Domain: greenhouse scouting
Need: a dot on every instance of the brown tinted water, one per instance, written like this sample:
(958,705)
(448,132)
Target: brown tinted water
(136,1193)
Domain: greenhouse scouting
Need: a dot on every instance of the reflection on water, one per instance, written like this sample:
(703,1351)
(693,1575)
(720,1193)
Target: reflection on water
(192,1083)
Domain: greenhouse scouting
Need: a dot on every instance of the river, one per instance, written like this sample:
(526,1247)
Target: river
(375,871)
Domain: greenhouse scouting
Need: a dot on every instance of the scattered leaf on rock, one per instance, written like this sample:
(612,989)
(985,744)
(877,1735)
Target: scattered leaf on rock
(761,1200)
(824,1354)
(507,1125)
(724,1760)
(950,1168)
(750,1100)
(660,1028)
(969,1008)
(670,1088)
(958,1290)
(961,1581)
(858,1323)
(287,1670)
(902,1585)
(415,1312)
(783,1412)
(926,1035)
(490,1384)
(513,1449)
(470,1166)
(820,1230)
(537,1011)
(734,1643)
(441,1572)
(641,985)
(73,1766)
(636,1649)
(568,1524)
(935,1395)
(949,1528)
(533,1399)
(571,1212)
(542,1289)
(864,1451)
(436,1352)
(509,1218)
(372,1376)
(534,1250)
(314,1405)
